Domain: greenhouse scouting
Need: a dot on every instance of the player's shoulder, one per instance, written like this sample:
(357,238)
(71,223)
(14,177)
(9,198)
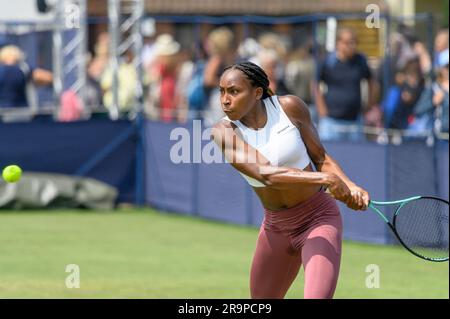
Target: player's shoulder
(222,128)
(222,124)
(224,132)
(293,106)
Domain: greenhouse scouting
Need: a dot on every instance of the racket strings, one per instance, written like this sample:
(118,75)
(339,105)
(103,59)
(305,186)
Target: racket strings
(423,227)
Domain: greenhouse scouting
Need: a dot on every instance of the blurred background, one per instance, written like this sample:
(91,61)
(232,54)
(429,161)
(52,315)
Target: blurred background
(91,92)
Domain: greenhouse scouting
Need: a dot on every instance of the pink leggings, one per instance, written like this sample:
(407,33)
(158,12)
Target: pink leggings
(309,233)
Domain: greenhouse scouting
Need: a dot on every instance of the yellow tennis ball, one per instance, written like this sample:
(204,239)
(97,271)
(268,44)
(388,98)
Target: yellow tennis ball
(12,173)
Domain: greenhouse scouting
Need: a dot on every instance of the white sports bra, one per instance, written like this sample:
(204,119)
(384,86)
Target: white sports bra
(279,140)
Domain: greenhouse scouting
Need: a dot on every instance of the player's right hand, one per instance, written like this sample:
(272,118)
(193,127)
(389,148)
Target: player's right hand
(340,191)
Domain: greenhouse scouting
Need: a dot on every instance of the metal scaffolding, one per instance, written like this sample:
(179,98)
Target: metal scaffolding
(125,18)
(70,48)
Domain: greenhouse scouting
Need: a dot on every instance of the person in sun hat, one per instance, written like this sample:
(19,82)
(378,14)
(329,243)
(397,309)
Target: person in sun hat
(163,96)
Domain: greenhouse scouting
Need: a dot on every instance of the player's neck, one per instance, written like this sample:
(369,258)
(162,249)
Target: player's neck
(256,118)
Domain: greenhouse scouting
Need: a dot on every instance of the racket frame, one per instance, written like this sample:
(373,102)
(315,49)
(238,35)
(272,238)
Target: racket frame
(392,225)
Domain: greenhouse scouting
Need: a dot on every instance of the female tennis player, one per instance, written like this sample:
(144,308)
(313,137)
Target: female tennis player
(272,142)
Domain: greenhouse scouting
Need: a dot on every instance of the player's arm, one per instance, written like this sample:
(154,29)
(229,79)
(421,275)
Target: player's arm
(252,163)
(299,114)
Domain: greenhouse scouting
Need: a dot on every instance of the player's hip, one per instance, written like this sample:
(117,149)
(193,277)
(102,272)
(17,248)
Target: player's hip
(321,208)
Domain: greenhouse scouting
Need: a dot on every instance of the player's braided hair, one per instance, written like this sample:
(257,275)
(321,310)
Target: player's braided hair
(255,74)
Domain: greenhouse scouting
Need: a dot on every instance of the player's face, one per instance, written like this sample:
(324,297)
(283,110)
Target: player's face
(237,95)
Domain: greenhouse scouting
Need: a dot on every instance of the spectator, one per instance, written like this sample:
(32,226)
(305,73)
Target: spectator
(416,47)
(401,52)
(268,60)
(72,108)
(410,82)
(94,93)
(440,45)
(220,48)
(127,82)
(194,88)
(248,50)
(432,109)
(185,75)
(99,62)
(440,93)
(278,45)
(299,76)
(274,42)
(149,36)
(340,108)
(96,68)
(16,76)
(163,95)
(426,65)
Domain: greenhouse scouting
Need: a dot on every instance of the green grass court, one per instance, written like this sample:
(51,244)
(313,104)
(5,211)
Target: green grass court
(145,254)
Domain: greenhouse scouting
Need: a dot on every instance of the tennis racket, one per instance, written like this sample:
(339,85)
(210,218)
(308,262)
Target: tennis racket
(420,224)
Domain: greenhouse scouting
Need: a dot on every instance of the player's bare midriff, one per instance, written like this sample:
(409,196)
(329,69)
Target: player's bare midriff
(275,199)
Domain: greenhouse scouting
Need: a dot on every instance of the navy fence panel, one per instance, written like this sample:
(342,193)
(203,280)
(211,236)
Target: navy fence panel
(217,191)
(412,170)
(169,185)
(179,181)
(365,164)
(106,151)
(66,148)
(222,193)
(442,169)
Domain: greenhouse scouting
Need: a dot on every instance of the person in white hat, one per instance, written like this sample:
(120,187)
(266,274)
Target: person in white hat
(148,31)
(163,100)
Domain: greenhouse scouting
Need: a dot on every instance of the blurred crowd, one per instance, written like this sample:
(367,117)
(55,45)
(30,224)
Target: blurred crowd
(407,90)
(417,97)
